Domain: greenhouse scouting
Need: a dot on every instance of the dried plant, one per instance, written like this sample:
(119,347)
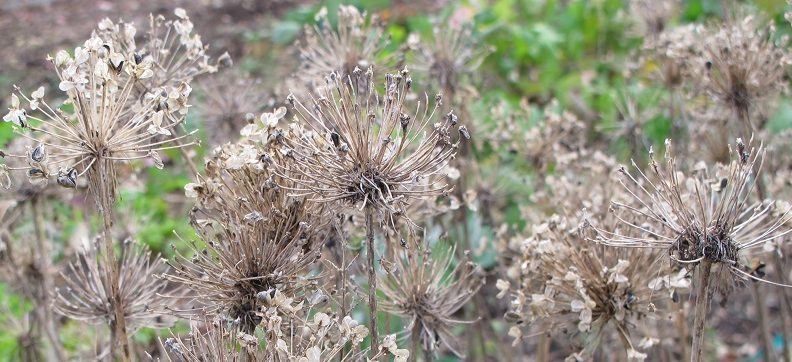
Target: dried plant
(448,58)
(320,338)
(258,238)
(595,290)
(106,119)
(704,221)
(428,289)
(357,42)
(673,56)
(231,100)
(176,54)
(367,151)
(359,149)
(743,68)
(88,297)
(653,15)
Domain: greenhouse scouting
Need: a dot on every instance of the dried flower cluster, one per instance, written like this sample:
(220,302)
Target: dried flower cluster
(743,68)
(354,219)
(428,289)
(370,151)
(87,291)
(356,43)
(596,291)
(704,218)
(258,239)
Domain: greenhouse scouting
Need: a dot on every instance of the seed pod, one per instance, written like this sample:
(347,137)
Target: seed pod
(512,317)
(67,179)
(157,159)
(452,118)
(253,217)
(405,121)
(336,139)
(464,132)
(39,153)
(265,158)
(318,299)
(225,60)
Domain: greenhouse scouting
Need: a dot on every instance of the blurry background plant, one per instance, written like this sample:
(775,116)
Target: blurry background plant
(558,93)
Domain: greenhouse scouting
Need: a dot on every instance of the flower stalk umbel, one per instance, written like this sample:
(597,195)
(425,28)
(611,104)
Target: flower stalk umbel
(704,221)
(365,150)
(428,289)
(106,120)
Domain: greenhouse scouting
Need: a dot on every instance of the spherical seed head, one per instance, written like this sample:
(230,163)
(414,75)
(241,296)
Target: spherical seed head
(742,67)
(124,102)
(704,214)
(596,289)
(356,43)
(355,148)
(449,57)
(428,289)
(86,295)
(260,240)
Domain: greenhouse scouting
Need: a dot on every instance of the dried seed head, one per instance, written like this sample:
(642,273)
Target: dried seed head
(429,289)
(380,149)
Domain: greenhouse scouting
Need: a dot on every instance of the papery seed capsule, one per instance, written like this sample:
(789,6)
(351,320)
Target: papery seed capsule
(68,178)
(39,153)
(512,317)
(452,118)
(266,296)
(318,299)
(270,183)
(157,159)
(225,60)
(253,217)
(464,132)
(404,119)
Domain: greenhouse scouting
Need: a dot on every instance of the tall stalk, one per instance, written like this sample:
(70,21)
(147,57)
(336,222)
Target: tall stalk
(44,261)
(372,278)
(415,339)
(786,307)
(681,328)
(104,195)
(702,303)
(761,308)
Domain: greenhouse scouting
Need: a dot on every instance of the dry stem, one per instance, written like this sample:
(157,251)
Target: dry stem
(372,278)
(415,339)
(43,312)
(104,201)
(765,328)
(702,302)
